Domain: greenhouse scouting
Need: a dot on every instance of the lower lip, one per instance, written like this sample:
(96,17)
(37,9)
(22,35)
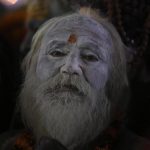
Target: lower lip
(67,90)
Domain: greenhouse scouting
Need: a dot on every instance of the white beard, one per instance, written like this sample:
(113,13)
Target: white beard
(74,123)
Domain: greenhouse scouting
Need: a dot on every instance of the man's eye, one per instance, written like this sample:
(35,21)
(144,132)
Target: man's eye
(57,54)
(91,58)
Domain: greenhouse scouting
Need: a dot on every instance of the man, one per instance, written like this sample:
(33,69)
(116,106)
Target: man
(75,89)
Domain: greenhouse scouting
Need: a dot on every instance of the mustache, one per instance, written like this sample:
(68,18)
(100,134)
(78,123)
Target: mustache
(68,83)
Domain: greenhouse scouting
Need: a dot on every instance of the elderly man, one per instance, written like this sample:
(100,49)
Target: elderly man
(75,89)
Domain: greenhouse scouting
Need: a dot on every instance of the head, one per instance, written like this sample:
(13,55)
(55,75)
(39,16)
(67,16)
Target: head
(75,78)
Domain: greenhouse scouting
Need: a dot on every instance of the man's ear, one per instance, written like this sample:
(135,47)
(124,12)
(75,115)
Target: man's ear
(46,143)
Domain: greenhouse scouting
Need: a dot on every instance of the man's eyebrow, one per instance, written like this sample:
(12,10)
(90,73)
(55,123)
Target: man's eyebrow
(93,47)
(56,43)
(89,45)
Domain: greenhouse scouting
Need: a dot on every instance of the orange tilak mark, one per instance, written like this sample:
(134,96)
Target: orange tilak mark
(72,38)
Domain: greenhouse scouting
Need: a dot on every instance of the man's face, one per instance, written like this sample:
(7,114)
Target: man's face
(77,54)
(67,95)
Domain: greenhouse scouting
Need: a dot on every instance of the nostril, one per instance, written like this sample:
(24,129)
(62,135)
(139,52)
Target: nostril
(69,70)
(75,73)
(64,71)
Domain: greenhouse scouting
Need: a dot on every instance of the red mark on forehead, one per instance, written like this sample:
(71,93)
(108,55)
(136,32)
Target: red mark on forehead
(72,38)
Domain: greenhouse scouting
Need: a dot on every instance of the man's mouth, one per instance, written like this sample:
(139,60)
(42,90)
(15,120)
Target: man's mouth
(68,88)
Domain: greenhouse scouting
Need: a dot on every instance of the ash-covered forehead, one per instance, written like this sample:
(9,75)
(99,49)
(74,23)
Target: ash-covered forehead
(84,29)
(77,24)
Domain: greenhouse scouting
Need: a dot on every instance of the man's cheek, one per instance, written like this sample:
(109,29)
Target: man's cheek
(45,68)
(97,76)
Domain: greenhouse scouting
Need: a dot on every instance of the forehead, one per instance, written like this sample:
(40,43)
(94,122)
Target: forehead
(84,30)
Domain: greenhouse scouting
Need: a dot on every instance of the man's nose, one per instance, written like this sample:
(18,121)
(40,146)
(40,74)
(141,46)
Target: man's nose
(71,67)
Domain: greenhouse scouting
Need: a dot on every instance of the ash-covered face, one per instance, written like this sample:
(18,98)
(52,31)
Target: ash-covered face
(78,54)
(65,98)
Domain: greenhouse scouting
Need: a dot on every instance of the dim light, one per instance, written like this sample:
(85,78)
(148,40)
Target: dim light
(9,2)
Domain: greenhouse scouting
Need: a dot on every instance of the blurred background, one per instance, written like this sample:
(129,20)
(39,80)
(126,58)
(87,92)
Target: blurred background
(19,20)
